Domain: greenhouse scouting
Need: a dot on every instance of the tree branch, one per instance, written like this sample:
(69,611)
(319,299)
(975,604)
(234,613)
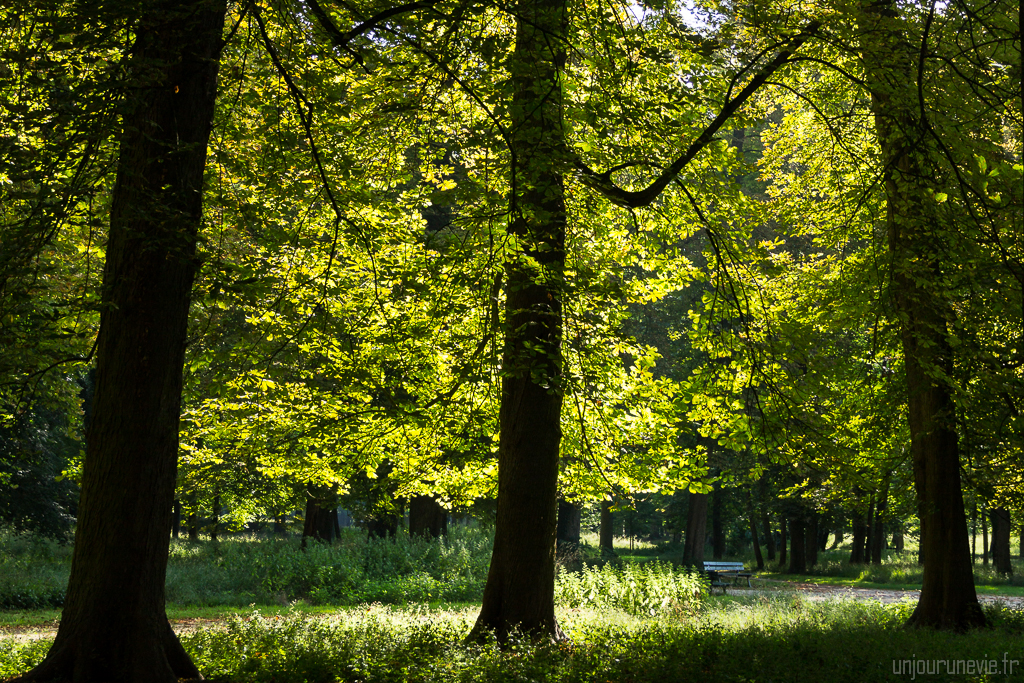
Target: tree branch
(602,182)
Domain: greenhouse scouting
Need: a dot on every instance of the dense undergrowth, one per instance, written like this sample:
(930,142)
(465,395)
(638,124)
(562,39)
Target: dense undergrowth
(782,639)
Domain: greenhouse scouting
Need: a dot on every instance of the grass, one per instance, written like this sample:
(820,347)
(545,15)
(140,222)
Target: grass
(766,639)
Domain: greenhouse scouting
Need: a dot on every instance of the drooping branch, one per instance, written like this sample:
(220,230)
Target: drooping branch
(341,39)
(603,183)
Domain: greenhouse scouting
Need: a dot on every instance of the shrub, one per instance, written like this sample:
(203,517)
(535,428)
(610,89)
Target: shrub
(650,588)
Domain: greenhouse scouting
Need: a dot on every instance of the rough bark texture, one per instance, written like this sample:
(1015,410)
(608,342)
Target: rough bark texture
(114,628)
(696,529)
(519,593)
(916,237)
(427,517)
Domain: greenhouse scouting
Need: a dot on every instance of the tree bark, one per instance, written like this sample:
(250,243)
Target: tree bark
(427,518)
(878,536)
(114,628)
(984,539)
(696,529)
(859,537)
(519,593)
(916,235)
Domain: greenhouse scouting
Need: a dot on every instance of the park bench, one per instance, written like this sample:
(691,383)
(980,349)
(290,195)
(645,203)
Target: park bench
(718,572)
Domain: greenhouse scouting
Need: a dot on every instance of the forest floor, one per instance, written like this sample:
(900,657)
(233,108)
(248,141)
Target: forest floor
(27,630)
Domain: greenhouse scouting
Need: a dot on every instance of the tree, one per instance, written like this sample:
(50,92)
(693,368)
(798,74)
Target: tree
(114,627)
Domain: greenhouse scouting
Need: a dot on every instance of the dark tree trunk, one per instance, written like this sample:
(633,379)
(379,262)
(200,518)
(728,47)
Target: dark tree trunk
(279,528)
(783,541)
(519,593)
(718,523)
(427,517)
(567,534)
(916,236)
(859,537)
(176,522)
(318,524)
(1001,528)
(337,524)
(797,555)
(1020,543)
(113,627)
(215,522)
(897,537)
(878,535)
(769,541)
(752,518)
(811,541)
(606,541)
(696,529)
(869,530)
(837,541)
(984,539)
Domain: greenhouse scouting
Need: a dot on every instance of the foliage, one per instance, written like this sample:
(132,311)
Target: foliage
(646,589)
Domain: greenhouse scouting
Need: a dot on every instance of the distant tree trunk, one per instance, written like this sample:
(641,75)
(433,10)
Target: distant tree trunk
(607,533)
(696,529)
(752,518)
(897,537)
(337,524)
(797,554)
(1001,528)
(878,537)
(567,532)
(718,523)
(176,522)
(318,524)
(1020,543)
(114,626)
(769,541)
(427,517)
(279,528)
(837,541)
(917,235)
(782,541)
(859,537)
(216,518)
(811,541)
(869,530)
(984,539)
(974,531)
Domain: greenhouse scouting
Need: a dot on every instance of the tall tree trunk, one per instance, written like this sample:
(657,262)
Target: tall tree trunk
(837,541)
(114,628)
(427,517)
(519,593)
(606,539)
(797,535)
(974,531)
(752,518)
(176,520)
(869,530)
(718,523)
(1001,528)
(696,529)
(915,235)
